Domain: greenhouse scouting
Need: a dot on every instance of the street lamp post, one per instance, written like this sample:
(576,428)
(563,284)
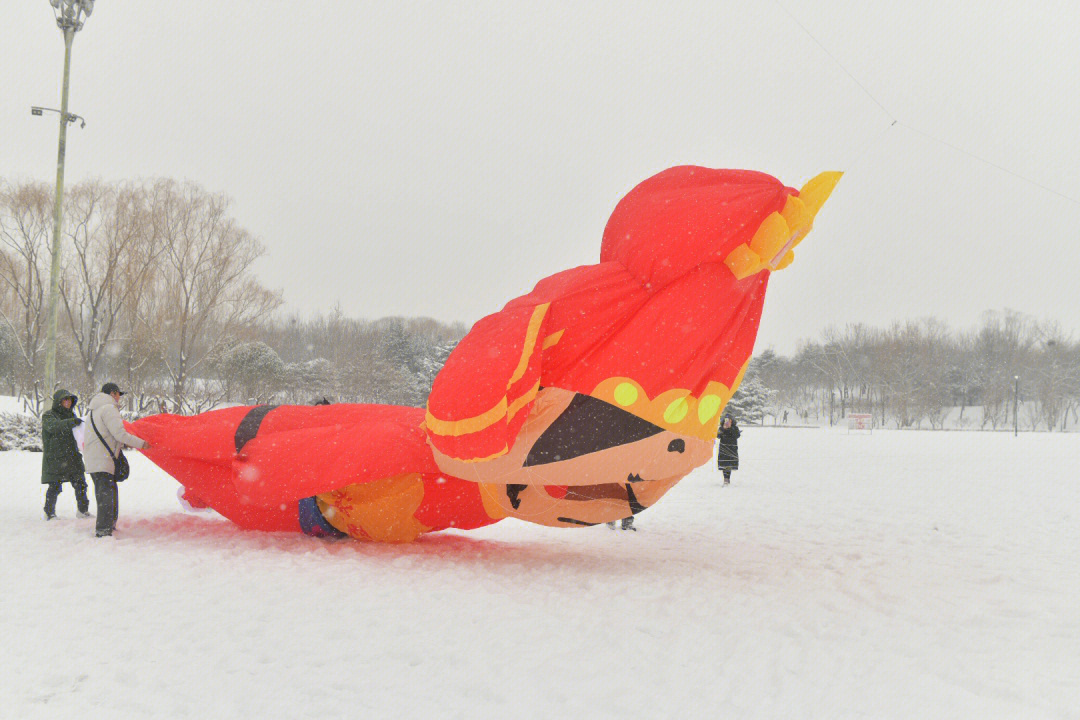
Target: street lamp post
(70,16)
(1016,406)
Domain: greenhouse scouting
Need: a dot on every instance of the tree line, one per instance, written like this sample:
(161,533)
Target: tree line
(158,292)
(922,373)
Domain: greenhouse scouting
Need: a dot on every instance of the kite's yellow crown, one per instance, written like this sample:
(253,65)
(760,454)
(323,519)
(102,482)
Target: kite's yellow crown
(772,247)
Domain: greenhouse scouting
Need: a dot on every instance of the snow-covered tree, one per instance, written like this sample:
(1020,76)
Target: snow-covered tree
(750,400)
(252,372)
(311,379)
(432,362)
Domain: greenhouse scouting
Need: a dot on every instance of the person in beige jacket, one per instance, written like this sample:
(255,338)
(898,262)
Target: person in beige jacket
(98,459)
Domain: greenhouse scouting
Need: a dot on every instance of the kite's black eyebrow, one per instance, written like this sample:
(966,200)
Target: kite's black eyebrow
(588,425)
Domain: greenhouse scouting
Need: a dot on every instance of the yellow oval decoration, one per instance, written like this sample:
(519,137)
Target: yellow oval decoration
(676,411)
(707,408)
(626,394)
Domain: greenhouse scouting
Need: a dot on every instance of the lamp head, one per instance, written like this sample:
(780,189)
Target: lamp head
(71,14)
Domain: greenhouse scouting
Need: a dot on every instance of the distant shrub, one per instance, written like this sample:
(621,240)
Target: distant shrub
(20,432)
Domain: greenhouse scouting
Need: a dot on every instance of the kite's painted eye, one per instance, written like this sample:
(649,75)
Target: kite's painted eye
(678,445)
(588,425)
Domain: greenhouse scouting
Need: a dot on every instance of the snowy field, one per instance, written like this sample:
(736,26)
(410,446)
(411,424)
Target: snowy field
(898,575)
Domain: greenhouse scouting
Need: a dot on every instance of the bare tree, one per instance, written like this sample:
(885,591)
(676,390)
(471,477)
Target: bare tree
(839,362)
(1073,406)
(903,372)
(25,227)
(113,252)
(1003,344)
(963,375)
(1053,374)
(935,358)
(205,294)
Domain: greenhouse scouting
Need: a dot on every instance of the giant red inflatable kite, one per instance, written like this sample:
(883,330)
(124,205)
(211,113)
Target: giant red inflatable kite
(582,402)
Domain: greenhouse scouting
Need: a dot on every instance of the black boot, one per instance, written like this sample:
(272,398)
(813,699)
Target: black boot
(82,501)
(50,499)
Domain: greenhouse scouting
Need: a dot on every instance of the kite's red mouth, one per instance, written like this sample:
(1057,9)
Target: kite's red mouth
(607,491)
(619,492)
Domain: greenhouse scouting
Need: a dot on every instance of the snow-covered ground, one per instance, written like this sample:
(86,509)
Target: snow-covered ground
(956,418)
(900,574)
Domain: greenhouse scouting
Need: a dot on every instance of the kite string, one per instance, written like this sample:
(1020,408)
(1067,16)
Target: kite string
(838,63)
(991,163)
(915,130)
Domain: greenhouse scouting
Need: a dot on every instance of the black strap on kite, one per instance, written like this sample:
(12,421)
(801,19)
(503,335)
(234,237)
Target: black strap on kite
(249,426)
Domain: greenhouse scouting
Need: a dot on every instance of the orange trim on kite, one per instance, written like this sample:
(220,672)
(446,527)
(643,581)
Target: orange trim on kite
(677,409)
(506,449)
(466,425)
(524,400)
(491,505)
(530,342)
(457,428)
(553,339)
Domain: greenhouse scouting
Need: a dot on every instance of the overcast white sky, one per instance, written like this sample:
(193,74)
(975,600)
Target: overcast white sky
(439,158)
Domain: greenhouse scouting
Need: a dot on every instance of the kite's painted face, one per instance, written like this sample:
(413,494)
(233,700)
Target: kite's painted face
(581,461)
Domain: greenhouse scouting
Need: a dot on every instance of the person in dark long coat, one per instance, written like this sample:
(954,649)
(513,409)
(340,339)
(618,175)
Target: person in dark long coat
(727,454)
(61,461)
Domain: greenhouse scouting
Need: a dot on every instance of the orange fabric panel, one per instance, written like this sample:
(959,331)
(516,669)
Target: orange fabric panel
(381,510)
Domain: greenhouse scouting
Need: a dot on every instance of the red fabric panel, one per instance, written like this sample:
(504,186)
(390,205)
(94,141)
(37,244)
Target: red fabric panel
(451,503)
(685,216)
(697,329)
(211,484)
(477,381)
(297,452)
(477,372)
(284,462)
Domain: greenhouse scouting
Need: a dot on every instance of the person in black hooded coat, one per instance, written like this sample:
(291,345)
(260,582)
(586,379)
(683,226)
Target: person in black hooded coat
(727,454)
(61,461)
